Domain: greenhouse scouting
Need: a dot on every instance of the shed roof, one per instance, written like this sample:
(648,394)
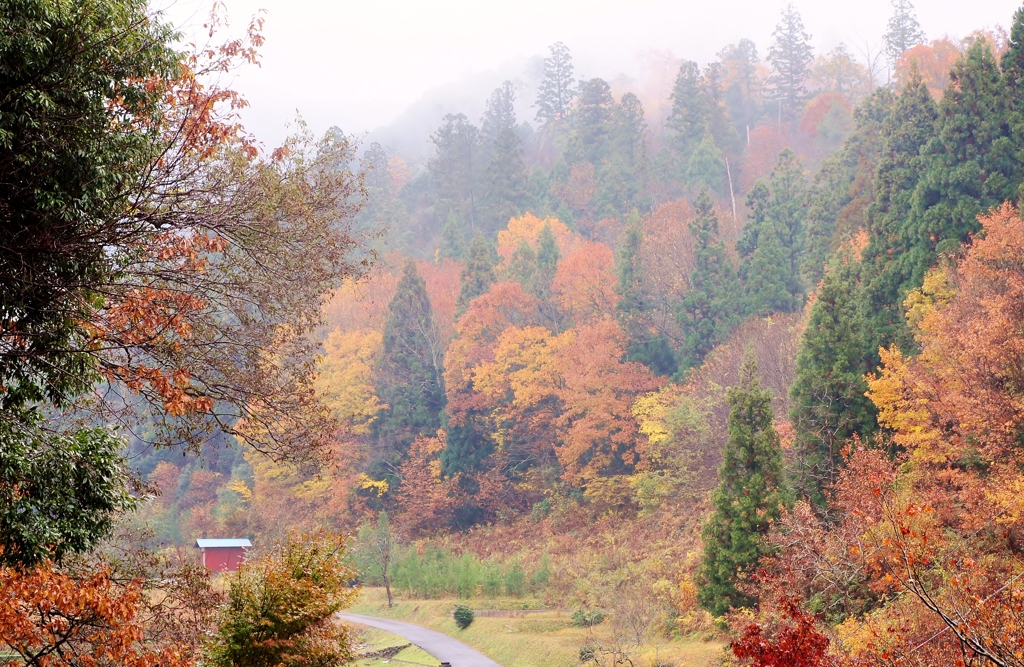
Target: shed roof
(206,543)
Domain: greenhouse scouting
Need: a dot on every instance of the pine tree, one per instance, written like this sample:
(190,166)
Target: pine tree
(547,260)
(773,240)
(453,242)
(790,58)
(504,182)
(477,276)
(892,252)
(904,31)
(749,497)
(455,169)
(712,305)
(829,405)
(739,62)
(409,372)
(554,99)
(653,350)
(706,167)
(592,123)
(499,113)
(690,116)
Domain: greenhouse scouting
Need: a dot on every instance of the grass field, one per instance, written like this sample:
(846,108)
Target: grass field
(535,640)
(371,639)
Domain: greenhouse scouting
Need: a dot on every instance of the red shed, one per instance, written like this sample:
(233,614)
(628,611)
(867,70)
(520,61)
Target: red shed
(223,555)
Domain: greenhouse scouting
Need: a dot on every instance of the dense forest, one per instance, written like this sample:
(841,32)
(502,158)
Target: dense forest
(753,363)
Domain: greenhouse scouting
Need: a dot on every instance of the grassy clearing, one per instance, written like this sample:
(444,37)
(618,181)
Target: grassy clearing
(535,640)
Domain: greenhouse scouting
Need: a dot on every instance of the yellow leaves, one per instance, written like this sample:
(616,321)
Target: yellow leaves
(905,411)
(241,488)
(367,483)
(933,295)
(345,379)
(524,367)
(528,228)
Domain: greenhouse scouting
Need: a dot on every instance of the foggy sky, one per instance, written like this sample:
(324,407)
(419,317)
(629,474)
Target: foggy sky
(359,65)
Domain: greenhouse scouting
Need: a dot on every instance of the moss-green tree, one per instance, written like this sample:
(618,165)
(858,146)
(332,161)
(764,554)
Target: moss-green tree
(749,497)
(477,276)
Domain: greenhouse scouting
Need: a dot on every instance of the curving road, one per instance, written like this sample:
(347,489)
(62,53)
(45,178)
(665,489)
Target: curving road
(441,646)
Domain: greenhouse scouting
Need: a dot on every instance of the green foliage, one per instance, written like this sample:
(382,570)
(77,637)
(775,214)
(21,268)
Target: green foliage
(477,275)
(80,126)
(555,96)
(829,405)
(711,307)
(455,169)
(790,57)
(453,242)
(463,616)
(438,573)
(409,373)
(904,31)
(582,618)
(59,492)
(748,499)
(281,607)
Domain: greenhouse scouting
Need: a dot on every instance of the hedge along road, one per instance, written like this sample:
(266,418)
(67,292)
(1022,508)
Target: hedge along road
(441,646)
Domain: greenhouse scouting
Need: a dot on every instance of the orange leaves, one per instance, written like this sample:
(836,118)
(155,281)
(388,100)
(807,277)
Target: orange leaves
(528,228)
(51,618)
(584,284)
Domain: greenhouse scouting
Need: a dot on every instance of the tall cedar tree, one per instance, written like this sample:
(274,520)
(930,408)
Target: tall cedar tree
(690,115)
(409,373)
(712,306)
(554,99)
(773,241)
(505,182)
(477,276)
(499,114)
(749,497)
(454,169)
(790,58)
(843,188)
(904,31)
(742,86)
(642,345)
(828,397)
(892,251)
(591,123)
(453,242)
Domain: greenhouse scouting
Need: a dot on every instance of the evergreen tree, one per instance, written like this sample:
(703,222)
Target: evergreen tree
(642,345)
(892,252)
(547,261)
(477,276)
(1012,64)
(711,308)
(829,405)
(408,375)
(904,31)
(749,497)
(555,96)
(522,266)
(739,62)
(384,211)
(453,242)
(499,113)
(690,116)
(706,168)
(790,58)
(454,169)
(505,182)
(773,240)
(592,123)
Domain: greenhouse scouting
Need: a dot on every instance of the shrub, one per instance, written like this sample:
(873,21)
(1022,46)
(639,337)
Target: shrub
(281,607)
(463,616)
(582,618)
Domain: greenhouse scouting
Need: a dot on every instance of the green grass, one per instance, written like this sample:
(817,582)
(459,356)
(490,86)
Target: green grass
(536,640)
(374,640)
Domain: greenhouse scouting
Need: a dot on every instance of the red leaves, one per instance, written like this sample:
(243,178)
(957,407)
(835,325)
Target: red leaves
(796,643)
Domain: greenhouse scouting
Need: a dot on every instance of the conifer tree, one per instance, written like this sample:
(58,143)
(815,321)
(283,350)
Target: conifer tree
(504,182)
(453,242)
(409,374)
(650,349)
(711,307)
(592,123)
(706,168)
(547,260)
(690,115)
(748,499)
(904,31)
(829,405)
(554,99)
(455,168)
(499,113)
(477,276)
(790,58)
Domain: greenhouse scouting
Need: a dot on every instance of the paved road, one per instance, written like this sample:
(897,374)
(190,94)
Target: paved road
(439,645)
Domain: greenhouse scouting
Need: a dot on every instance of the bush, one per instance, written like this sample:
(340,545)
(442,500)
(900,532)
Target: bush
(281,607)
(463,616)
(582,618)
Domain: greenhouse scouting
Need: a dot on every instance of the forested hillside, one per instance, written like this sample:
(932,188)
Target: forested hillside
(755,362)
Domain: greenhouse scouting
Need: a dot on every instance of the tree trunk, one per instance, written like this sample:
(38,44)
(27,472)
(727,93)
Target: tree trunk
(387,587)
